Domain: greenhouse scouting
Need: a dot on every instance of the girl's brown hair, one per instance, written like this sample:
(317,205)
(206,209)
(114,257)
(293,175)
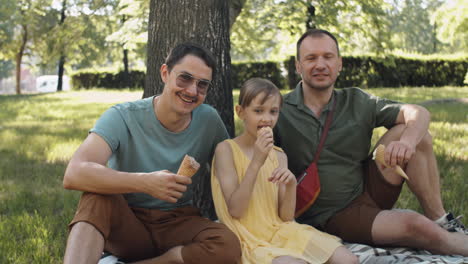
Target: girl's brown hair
(255,86)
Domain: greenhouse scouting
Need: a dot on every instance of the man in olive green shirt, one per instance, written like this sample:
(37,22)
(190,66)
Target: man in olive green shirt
(357,194)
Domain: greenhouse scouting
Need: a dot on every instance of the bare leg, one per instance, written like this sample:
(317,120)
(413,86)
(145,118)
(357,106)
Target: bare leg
(172,256)
(288,260)
(422,171)
(343,255)
(85,244)
(426,187)
(415,230)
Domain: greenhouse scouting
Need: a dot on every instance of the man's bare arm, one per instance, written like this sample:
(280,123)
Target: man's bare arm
(87,171)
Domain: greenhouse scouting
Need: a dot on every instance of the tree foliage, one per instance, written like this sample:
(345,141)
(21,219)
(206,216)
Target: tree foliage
(411,26)
(266,25)
(131,31)
(21,27)
(451,19)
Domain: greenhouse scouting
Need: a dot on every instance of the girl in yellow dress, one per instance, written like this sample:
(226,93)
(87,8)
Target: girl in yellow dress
(255,194)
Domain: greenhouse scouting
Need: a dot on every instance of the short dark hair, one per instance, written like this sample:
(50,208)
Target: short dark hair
(255,86)
(187,48)
(315,32)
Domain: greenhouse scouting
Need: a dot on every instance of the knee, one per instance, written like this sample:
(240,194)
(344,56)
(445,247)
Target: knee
(426,143)
(221,245)
(353,259)
(230,249)
(419,226)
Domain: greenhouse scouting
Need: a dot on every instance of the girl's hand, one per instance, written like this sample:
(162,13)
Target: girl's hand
(263,145)
(282,175)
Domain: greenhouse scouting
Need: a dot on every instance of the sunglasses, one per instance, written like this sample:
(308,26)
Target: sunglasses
(185,80)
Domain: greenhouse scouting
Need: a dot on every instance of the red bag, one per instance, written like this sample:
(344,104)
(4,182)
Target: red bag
(308,184)
(308,189)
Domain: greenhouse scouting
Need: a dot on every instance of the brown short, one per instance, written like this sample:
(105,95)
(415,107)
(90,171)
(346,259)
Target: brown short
(137,233)
(354,223)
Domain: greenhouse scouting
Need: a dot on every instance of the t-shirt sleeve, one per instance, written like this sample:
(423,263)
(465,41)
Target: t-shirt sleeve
(386,112)
(111,127)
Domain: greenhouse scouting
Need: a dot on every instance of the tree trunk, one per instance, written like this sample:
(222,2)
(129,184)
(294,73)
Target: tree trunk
(310,22)
(61,69)
(61,64)
(19,58)
(205,22)
(126,73)
(235,7)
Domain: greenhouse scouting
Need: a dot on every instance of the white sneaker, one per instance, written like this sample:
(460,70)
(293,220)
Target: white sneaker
(452,224)
(107,258)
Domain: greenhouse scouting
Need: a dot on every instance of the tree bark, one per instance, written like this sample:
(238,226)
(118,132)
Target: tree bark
(235,7)
(205,22)
(310,22)
(61,64)
(19,58)
(126,71)
(61,70)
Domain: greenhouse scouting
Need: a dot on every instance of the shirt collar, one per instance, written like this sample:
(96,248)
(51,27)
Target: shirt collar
(296,97)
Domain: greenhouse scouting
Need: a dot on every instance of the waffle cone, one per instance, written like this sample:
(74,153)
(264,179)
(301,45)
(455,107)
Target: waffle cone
(263,128)
(188,167)
(379,154)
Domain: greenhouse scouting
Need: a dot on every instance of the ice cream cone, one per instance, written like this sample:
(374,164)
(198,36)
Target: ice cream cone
(264,128)
(188,167)
(379,154)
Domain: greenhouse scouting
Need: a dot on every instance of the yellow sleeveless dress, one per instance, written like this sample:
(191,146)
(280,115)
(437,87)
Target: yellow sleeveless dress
(262,233)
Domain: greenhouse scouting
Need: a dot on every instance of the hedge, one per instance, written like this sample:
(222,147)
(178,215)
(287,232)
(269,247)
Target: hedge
(241,72)
(360,71)
(366,71)
(110,80)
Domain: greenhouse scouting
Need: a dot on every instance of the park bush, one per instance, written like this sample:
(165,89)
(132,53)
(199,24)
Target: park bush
(360,71)
(108,79)
(270,70)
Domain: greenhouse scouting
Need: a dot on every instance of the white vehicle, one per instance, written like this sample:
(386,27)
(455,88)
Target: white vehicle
(48,83)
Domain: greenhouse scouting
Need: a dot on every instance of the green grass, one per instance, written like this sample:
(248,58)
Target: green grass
(39,133)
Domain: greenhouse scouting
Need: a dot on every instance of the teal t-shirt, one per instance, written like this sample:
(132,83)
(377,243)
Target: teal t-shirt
(346,147)
(140,143)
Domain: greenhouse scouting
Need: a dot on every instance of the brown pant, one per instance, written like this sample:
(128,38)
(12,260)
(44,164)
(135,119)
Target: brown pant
(137,233)
(354,223)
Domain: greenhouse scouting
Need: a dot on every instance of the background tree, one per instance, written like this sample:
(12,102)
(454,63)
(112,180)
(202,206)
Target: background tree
(132,33)
(411,27)
(81,37)
(22,23)
(61,62)
(205,22)
(268,29)
(451,19)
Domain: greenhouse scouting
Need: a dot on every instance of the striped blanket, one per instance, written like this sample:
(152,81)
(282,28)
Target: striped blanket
(372,255)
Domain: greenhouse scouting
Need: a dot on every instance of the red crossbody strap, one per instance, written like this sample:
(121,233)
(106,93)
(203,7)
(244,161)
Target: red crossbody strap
(325,131)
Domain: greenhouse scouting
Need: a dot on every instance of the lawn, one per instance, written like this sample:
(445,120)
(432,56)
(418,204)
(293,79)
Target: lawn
(39,133)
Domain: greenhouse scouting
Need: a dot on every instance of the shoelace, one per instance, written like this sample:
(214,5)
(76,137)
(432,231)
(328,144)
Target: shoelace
(456,223)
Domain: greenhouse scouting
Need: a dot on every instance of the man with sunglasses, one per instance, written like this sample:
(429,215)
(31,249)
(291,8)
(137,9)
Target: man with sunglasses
(136,207)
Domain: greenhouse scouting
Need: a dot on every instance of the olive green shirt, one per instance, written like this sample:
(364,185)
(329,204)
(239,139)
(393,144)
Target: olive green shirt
(347,145)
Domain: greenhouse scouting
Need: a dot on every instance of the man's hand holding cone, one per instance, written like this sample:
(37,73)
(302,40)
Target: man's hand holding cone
(379,155)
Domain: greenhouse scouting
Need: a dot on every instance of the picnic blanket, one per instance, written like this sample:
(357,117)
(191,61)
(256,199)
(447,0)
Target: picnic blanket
(373,255)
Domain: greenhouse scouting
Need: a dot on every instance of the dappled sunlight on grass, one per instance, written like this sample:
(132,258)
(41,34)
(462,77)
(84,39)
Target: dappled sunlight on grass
(419,94)
(62,151)
(40,132)
(450,140)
